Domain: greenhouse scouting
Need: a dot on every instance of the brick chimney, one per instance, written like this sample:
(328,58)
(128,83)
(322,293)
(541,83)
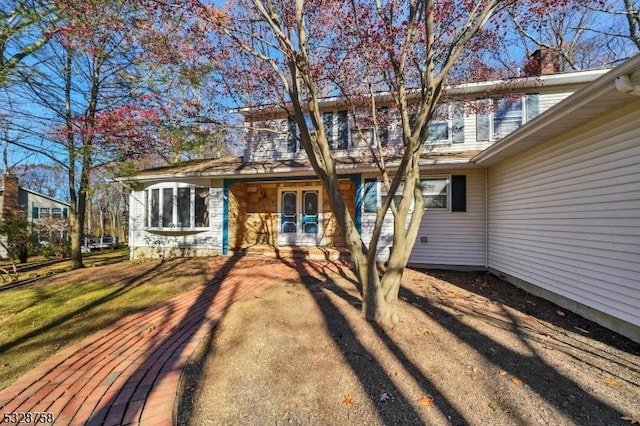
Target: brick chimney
(10,203)
(543,61)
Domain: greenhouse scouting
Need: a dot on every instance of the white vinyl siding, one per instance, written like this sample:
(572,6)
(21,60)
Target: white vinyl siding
(452,238)
(200,238)
(455,238)
(547,100)
(565,216)
(274,144)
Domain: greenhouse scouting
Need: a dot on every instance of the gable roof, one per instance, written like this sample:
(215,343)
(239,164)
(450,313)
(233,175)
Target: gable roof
(22,188)
(55,200)
(583,106)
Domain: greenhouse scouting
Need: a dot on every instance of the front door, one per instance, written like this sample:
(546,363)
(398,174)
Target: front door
(299,222)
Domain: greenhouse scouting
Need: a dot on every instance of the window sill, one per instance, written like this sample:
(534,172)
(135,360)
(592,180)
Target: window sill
(176,231)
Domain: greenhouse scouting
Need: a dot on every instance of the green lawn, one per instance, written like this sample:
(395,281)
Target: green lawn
(38,320)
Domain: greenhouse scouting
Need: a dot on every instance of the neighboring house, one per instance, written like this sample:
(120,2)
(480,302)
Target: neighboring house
(527,187)
(47,215)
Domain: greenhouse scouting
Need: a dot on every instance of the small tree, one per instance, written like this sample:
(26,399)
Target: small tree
(18,239)
(55,231)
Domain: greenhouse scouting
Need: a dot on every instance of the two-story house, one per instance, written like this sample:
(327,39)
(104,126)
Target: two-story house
(270,196)
(47,215)
(536,183)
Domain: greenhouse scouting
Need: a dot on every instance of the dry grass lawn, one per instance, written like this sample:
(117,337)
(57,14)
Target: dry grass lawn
(53,312)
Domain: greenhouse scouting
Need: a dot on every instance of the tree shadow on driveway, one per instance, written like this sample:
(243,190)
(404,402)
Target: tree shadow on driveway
(528,368)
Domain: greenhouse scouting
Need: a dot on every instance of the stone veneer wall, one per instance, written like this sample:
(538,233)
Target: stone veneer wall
(253,212)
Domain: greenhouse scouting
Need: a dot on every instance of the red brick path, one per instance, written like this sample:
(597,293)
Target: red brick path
(129,373)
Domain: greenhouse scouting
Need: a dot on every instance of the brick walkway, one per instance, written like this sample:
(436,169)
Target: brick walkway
(130,372)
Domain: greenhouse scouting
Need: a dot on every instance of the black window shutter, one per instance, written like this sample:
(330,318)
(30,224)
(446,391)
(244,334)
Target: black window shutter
(343,130)
(459,193)
(291,134)
(327,122)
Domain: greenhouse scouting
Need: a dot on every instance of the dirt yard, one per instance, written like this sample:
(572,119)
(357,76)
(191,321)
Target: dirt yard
(469,349)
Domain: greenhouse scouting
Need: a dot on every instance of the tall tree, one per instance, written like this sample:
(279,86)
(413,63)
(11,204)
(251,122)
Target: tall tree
(25,27)
(44,178)
(88,99)
(292,53)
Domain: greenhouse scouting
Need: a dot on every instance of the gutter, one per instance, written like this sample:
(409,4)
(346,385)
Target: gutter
(546,80)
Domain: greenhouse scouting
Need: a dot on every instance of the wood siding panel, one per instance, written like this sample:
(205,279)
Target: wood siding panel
(565,216)
(254,217)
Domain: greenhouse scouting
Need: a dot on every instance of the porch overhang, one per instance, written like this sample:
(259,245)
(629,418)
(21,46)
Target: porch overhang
(236,168)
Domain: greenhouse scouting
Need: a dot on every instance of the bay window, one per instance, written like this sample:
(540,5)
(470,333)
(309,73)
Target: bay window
(177,206)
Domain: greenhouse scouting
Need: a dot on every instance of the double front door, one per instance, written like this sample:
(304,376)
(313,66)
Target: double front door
(299,216)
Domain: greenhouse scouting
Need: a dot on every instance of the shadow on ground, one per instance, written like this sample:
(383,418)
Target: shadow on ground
(466,352)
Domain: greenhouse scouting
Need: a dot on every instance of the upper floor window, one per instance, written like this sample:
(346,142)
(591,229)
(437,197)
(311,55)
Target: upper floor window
(336,127)
(497,117)
(364,132)
(293,133)
(46,212)
(177,206)
(447,124)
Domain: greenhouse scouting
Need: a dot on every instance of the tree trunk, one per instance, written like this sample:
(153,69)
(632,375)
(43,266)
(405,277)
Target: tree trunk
(76,211)
(76,246)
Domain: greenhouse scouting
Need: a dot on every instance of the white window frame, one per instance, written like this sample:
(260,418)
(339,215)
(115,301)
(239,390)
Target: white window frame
(491,113)
(447,178)
(383,193)
(492,116)
(362,133)
(293,131)
(445,118)
(193,189)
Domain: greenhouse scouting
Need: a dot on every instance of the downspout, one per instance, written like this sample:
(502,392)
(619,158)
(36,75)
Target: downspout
(486,218)
(131,219)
